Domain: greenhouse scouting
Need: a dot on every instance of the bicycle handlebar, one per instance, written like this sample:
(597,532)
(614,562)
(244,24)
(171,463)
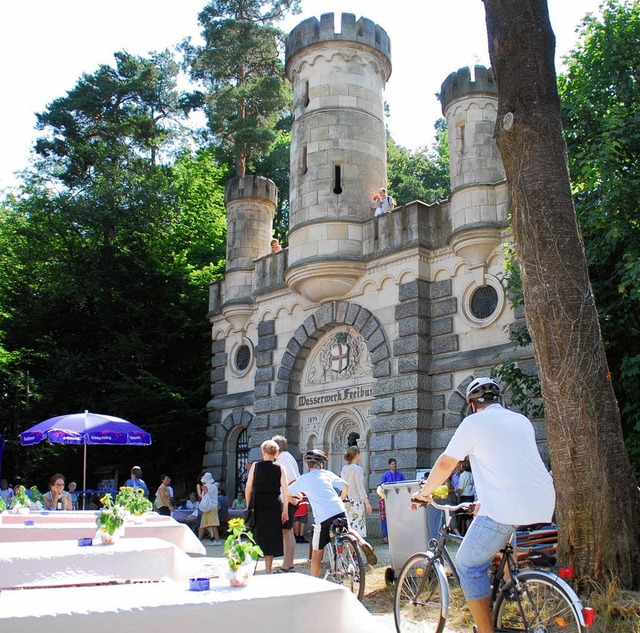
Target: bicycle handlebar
(466,506)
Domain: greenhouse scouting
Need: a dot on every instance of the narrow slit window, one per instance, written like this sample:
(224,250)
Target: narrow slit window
(303,160)
(305,96)
(337,183)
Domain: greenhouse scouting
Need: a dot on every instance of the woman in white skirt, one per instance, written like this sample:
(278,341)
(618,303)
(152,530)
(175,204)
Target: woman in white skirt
(358,502)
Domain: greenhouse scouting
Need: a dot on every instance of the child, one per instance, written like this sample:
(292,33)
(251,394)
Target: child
(320,487)
(239,503)
(300,520)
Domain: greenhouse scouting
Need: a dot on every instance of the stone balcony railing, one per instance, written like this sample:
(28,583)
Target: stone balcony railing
(269,273)
(414,224)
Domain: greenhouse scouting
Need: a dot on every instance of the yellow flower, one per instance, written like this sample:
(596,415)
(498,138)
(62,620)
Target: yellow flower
(236,523)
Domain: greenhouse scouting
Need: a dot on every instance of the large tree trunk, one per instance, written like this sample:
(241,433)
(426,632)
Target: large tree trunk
(598,504)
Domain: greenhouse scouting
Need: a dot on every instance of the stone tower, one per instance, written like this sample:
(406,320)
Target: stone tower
(479,203)
(338,149)
(250,202)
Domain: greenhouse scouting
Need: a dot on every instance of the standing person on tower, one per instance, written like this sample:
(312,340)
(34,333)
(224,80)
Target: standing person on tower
(387,203)
(512,483)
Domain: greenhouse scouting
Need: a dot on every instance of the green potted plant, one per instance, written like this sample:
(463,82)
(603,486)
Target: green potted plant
(110,521)
(133,500)
(242,552)
(20,503)
(37,497)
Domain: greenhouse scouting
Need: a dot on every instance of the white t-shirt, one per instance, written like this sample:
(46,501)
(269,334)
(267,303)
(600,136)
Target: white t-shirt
(512,483)
(320,487)
(290,465)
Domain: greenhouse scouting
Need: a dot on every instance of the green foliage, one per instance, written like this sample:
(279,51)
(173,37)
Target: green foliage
(241,70)
(103,279)
(422,174)
(111,516)
(240,546)
(133,500)
(275,165)
(601,114)
(525,393)
(112,118)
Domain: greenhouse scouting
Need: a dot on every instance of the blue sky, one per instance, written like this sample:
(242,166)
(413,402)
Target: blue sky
(46,46)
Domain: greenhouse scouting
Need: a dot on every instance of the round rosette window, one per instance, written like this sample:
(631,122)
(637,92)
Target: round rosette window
(483,304)
(242,358)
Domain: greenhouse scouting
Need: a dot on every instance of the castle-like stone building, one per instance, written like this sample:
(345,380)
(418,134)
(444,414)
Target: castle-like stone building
(364,328)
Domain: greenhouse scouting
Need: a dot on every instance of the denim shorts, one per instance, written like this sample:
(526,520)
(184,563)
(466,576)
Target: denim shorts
(484,539)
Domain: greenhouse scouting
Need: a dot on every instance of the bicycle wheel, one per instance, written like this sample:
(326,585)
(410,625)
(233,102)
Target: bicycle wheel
(349,566)
(421,601)
(544,603)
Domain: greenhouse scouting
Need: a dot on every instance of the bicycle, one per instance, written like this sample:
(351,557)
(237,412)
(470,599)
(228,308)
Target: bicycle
(345,560)
(522,600)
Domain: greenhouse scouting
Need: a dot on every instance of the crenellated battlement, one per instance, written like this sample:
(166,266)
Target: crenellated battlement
(312,31)
(248,187)
(459,84)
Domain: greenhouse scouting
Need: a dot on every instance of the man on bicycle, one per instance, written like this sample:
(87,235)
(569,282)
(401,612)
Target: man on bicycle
(512,484)
(320,486)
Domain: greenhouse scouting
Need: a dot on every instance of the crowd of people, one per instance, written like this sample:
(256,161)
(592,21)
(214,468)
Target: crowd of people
(490,447)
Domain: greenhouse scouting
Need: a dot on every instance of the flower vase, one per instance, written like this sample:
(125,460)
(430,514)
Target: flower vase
(240,577)
(107,538)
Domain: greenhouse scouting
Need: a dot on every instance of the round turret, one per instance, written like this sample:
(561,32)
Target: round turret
(479,200)
(250,202)
(338,149)
(470,106)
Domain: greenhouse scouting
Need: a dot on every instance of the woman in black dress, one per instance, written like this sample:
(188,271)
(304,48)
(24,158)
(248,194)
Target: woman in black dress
(267,481)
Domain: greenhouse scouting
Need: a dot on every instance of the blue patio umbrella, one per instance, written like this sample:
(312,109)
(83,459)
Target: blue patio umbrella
(86,428)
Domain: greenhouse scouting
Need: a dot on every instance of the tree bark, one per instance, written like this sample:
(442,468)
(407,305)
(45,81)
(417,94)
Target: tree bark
(598,503)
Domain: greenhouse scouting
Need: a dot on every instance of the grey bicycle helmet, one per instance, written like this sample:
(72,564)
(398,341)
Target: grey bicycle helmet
(315,456)
(483,389)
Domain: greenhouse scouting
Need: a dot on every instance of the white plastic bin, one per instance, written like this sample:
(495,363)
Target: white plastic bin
(409,531)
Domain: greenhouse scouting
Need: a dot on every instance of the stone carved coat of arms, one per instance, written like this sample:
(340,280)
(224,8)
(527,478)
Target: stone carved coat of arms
(343,355)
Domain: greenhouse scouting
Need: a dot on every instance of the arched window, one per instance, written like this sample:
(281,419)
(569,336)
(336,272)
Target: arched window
(242,456)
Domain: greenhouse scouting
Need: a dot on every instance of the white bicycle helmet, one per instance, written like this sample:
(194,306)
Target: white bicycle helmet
(315,456)
(483,389)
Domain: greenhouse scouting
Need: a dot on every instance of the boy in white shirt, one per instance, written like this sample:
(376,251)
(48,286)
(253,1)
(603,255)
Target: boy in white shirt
(320,486)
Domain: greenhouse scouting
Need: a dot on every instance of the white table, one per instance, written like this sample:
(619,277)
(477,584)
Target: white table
(54,528)
(283,602)
(58,563)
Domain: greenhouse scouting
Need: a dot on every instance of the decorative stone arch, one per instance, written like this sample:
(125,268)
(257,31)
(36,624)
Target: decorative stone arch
(336,433)
(235,425)
(329,316)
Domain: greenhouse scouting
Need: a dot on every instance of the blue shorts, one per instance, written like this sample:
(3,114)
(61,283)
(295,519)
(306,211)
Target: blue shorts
(484,539)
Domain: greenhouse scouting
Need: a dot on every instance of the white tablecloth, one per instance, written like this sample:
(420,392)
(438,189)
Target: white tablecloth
(58,563)
(283,602)
(48,528)
(49,516)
